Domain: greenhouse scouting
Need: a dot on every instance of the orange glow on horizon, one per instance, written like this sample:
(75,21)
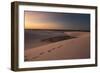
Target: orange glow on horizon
(35,20)
(37,25)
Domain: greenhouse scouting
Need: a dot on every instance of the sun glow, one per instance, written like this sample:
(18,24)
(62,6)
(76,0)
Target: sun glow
(38,21)
(37,25)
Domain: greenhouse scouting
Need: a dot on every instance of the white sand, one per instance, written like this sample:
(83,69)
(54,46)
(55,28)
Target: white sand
(76,48)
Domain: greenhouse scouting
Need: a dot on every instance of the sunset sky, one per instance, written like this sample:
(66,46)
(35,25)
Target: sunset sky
(51,20)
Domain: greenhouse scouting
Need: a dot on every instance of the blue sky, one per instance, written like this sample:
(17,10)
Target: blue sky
(52,20)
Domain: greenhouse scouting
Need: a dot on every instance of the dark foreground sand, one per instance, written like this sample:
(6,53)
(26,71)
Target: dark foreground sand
(75,48)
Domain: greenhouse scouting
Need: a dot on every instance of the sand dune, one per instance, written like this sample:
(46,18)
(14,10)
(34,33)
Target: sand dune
(36,38)
(76,34)
(76,48)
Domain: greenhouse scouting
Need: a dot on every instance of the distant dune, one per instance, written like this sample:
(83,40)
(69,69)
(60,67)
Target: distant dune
(36,38)
(76,34)
(74,48)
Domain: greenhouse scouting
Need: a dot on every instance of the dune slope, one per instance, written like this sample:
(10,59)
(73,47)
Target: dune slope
(76,48)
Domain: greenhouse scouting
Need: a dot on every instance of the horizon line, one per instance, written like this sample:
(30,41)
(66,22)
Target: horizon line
(59,30)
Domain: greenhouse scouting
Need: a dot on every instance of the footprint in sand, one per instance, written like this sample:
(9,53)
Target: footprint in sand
(47,51)
(35,57)
(60,46)
(51,49)
(38,55)
(42,53)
